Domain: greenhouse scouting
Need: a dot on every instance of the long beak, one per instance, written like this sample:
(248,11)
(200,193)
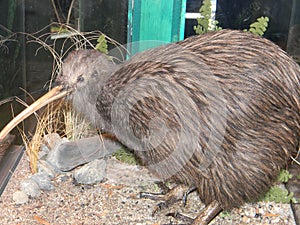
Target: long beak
(56,93)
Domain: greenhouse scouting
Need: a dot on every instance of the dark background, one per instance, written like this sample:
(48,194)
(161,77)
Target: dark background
(28,66)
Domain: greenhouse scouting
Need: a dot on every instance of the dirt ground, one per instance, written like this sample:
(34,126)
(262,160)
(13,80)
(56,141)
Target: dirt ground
(116,201)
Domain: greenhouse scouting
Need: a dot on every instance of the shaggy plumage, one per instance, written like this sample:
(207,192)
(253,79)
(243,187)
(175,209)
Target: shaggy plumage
(218,111)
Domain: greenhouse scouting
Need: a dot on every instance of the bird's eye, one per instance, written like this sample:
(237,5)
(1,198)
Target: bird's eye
(80,78)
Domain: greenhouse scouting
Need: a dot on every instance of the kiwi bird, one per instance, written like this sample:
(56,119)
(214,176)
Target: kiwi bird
(218,112)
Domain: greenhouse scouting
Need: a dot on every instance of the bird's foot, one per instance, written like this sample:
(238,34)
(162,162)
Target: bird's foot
(204,218)
(178,216)
(168,196)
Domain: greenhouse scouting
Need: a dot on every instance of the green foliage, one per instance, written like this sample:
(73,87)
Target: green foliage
(225,214)
(298,176)
(205,23)
(126,156)
(284,176)
(260,26)
(279,195)
(102,44)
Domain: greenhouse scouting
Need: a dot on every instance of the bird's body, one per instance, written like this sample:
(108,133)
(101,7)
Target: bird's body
(219,111)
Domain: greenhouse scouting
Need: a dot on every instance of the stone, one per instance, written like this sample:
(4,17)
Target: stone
(91,173)
(44,151)
(20,197)
(43,181)
(31,188)
(55,157)
(46,168)
(52,139)
(67,155)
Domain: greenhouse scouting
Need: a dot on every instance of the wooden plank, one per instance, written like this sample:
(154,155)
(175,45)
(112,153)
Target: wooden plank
(8,164)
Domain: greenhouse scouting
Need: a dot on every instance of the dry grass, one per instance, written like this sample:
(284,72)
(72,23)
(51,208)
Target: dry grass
(76,127)
(49,122)
(9,37)
(69,39)
(297,156)
(59,117)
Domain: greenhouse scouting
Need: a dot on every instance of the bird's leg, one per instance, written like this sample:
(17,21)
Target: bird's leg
(185,195)
(209,212)
(174,195)
(169,196)
(163,187)
(156,196)
(205,216)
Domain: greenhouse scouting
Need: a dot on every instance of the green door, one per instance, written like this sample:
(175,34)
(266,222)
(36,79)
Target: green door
(154,22)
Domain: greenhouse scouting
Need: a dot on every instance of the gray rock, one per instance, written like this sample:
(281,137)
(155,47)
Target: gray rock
(56,157)
(43,181)
(65,156)
(20,197)
(44,150)
(91,173)
(31,188)
(45,168)
(64,177)
(52,139)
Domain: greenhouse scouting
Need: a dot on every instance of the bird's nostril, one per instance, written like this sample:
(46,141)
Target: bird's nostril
(58,82)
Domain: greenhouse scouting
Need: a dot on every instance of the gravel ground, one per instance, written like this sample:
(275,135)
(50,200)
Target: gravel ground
(116,202)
